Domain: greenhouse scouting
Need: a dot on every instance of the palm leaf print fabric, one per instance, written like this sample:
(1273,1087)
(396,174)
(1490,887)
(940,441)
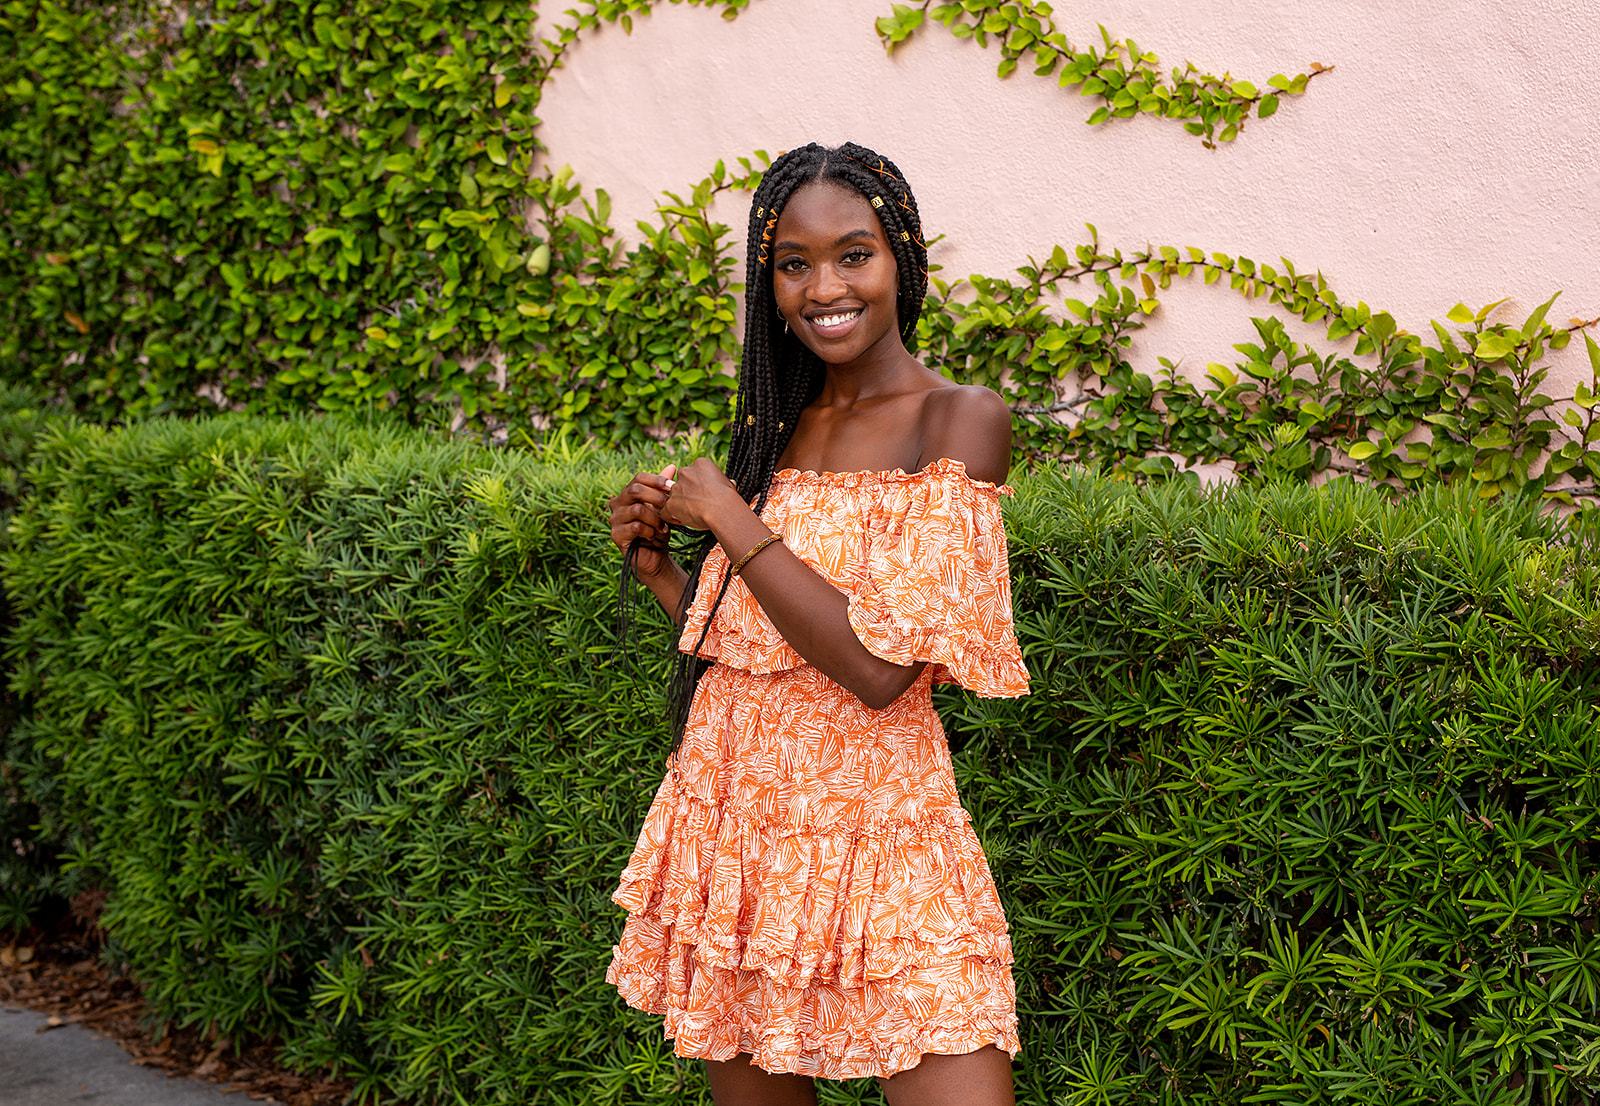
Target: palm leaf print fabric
(807,887)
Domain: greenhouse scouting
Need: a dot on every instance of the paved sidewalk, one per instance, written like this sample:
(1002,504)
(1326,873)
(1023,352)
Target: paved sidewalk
(73,1064)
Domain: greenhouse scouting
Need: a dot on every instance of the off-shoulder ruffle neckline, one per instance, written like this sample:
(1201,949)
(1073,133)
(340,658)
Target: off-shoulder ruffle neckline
(939,466)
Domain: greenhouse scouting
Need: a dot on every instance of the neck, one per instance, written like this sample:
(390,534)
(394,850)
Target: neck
(884,368)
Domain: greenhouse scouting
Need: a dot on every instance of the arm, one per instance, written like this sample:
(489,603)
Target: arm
(807,610)
(667,586)
(974,427)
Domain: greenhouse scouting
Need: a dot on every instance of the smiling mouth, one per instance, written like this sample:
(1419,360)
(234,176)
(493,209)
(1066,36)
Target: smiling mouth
(835,323)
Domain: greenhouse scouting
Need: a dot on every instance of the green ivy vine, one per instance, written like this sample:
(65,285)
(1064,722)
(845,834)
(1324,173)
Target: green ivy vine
(313,204)
(1124,78)
(1464,407)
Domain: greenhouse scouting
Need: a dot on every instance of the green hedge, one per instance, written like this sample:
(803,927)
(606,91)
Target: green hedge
(1301,810)
(32,885)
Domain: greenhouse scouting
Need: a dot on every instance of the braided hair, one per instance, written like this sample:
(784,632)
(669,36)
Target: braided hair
(778,376)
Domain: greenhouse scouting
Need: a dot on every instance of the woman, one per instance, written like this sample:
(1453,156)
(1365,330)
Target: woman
(808,898)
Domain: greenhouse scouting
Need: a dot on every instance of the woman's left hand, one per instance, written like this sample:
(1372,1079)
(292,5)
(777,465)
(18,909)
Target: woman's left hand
(700,493)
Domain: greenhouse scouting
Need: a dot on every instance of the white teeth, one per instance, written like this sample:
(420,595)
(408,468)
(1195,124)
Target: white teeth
(835,320)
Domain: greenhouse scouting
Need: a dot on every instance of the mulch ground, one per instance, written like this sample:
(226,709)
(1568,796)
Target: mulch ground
(56,971)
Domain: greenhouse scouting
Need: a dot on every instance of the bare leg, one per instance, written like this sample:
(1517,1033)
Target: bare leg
(738,1082)
(981,1078)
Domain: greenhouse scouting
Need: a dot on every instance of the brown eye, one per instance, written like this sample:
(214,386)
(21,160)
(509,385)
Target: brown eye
(857,257)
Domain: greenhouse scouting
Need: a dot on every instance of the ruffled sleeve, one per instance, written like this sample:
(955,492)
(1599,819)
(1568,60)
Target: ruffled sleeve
(934,583)
(920,556)
(740,634)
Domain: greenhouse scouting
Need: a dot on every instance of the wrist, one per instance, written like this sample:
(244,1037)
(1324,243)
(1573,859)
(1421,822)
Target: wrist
(737,529)
(661,571)
(754,551)
(665,568)
(730,512)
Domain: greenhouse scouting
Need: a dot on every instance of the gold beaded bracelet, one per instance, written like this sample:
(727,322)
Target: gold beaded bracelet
(759,546)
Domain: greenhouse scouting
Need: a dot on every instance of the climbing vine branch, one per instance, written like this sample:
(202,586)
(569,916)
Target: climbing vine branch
(1123,77)
(1465,406)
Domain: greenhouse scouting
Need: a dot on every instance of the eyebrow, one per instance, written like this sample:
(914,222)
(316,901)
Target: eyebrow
(862,232)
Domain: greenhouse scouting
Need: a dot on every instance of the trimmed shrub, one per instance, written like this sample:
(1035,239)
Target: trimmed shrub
(1301,808)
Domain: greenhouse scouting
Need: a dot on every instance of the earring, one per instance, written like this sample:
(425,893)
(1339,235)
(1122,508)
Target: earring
(786,326)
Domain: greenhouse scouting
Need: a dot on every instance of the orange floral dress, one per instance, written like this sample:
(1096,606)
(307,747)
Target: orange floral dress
(807,887)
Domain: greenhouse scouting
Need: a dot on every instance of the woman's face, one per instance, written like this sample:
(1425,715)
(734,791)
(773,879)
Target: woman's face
(833,274)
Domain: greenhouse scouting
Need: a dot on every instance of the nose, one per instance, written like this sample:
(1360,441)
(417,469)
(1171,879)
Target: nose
(827,284)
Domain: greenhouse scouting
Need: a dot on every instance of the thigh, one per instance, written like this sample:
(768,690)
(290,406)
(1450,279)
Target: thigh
(981,1078)
(738,1082)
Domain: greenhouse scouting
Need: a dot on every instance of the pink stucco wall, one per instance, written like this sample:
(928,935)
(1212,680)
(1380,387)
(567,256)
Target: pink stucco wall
(1453,154)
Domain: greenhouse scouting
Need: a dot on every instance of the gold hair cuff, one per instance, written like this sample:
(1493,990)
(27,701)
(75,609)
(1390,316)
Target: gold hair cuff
(759,546)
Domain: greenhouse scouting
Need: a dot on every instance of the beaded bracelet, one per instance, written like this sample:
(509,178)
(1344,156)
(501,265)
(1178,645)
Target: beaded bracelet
(759,546)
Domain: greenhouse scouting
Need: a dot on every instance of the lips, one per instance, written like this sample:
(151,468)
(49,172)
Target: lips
(835,323)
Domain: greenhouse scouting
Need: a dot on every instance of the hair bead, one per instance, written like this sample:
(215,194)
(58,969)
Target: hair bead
(877,201)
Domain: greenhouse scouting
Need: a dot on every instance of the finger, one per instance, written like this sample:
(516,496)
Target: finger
(653,480)
(647,514)
(642,493)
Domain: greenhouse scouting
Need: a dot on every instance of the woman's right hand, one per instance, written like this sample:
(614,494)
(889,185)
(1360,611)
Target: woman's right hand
(636,514)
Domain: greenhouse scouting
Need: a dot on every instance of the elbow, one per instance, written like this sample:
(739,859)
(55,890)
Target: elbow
(873,692)
(876,702)
(884,691)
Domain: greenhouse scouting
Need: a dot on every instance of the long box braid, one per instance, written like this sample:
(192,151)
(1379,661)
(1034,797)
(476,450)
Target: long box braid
(778,375)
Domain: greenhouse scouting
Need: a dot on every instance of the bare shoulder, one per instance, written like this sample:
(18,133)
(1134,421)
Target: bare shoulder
(972,424)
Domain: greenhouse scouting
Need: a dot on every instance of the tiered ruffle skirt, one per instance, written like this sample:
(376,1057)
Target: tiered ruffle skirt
(808,889)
